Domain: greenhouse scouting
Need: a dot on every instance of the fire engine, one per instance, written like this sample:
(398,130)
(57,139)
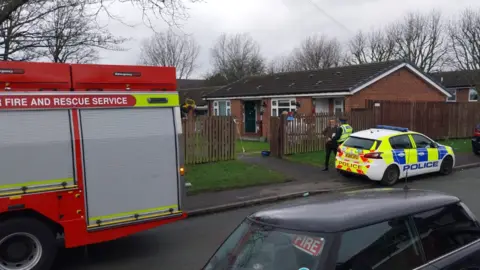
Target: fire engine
(88,153)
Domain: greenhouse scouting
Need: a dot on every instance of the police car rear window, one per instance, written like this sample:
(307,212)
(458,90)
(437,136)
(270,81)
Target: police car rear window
(360,143)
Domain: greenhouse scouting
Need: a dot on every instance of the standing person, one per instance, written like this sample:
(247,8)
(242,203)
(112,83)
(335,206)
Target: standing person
(344,131)
(330,144)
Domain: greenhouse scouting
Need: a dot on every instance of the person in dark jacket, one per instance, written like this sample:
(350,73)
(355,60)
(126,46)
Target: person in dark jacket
(330,133)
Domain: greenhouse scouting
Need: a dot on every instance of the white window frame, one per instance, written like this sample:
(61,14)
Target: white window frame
(453,92)
(216,107)
(469,94)
(274,102)
(338,106)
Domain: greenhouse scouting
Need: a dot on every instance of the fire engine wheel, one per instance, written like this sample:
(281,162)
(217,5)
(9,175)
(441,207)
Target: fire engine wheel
(26,244)
(390,176)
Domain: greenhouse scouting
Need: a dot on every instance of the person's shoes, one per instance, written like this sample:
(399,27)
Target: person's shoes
(326,169)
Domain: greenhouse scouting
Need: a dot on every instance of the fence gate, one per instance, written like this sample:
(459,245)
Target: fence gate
(209,139)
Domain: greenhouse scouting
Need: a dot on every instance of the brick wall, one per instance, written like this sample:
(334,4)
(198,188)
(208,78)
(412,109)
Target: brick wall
(266,118)
(306,105)
(400,85)
(462,95)
(236,107)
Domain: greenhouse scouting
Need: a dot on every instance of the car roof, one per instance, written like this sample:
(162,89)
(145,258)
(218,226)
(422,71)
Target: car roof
(338,212)
(376,133)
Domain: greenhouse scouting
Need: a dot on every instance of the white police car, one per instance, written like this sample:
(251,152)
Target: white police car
(388,153)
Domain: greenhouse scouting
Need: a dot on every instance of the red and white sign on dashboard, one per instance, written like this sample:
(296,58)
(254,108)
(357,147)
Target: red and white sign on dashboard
(310,245)
(66,101)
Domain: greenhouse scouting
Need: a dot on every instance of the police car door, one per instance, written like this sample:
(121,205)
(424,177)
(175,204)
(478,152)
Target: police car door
(403,154)
(427,154)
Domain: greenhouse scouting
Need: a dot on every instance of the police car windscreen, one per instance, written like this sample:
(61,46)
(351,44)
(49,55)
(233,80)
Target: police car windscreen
(359,143)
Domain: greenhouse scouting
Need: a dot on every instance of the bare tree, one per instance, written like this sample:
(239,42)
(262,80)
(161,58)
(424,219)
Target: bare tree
(374,46)
(72,35)
(20,37)
(421,40)
(464,34)
(317,52)
(170,49)
(282,64)
(237,56)
(170,11)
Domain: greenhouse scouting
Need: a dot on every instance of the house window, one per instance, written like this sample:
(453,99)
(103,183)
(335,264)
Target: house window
(472,95)
(452,92)
(338,105)
(221,108)
(283,105)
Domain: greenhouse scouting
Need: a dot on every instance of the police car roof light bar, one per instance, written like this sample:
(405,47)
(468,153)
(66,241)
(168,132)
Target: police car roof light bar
(402,129)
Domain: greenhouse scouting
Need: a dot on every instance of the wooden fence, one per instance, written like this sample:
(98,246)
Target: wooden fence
(208,139)
(304,133)
(438,120)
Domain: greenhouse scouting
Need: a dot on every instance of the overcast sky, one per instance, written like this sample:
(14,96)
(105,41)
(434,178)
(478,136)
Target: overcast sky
(277,25)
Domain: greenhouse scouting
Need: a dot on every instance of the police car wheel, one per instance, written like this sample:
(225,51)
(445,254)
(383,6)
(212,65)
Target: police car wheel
(344,173)
(447,166)
(390,176)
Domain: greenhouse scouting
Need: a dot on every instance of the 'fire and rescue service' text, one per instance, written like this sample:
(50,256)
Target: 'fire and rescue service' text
(79,101)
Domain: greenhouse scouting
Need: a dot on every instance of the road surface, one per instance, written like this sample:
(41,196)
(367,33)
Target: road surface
(187,245)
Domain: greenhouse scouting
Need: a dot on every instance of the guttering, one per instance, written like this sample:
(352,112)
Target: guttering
(329,94)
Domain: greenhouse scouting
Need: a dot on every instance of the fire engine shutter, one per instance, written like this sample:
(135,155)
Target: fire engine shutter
(130,163)
(35,150)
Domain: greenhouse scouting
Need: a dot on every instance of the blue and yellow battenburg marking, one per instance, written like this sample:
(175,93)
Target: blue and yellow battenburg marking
(420,158)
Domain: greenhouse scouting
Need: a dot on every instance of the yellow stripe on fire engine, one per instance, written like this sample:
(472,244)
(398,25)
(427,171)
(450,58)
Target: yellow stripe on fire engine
(163,100)
(131,213)
(131,219)
(37,183)
(36,190)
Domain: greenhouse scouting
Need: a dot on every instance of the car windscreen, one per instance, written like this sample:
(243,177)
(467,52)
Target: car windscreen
(359,143)
(258,247)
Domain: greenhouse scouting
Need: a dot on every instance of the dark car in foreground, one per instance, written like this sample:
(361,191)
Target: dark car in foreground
(382,229)
(476,140)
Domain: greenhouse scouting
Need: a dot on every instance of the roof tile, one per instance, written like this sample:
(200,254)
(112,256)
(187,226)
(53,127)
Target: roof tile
(304,82)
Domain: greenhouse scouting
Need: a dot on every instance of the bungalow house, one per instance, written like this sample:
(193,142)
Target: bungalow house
(461,84)
(254,99)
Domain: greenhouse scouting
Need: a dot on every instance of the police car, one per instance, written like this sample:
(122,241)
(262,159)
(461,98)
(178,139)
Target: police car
(388,153)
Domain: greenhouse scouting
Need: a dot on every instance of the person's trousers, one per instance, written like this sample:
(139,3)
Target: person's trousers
(329,149)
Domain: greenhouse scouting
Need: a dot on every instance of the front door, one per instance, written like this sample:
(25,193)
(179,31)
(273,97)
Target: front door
(250,117)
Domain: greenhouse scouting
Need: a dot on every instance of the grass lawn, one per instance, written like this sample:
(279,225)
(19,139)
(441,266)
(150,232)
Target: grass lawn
(458,145)
(312,158)
(318,158)
(228,175)
(251,146)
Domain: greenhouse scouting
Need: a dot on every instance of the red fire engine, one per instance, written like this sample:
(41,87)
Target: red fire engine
(88,153)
